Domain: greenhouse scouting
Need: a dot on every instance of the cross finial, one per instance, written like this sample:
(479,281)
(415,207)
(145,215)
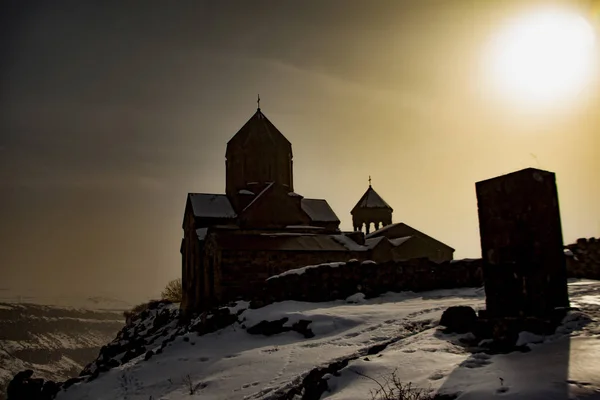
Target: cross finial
(369,180)
(258,102)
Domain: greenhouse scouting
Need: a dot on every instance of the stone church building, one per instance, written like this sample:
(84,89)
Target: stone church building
(261,227)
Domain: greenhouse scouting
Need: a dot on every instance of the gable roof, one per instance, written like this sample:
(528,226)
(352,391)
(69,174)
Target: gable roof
(258,196)
(258,128)
(207,205)
(280,242)
(318,210)
(405,228)
(371,199)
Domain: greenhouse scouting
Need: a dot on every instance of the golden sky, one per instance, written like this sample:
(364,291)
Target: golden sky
(111,113)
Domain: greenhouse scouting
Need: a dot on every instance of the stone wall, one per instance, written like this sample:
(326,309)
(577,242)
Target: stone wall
(243,272)
(583,259)
(339,281)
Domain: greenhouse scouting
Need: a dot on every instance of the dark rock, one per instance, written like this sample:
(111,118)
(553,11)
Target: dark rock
(302,328)
(70,382)
(269,328)
(459,319)
(148,355)
(50,389)
(112,363)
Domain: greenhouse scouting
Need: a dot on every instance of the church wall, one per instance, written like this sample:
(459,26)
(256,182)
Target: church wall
(242,271)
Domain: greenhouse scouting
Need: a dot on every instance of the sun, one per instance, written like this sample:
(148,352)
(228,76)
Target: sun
(543,58)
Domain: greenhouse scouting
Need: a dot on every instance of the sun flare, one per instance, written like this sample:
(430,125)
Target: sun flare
(543,58)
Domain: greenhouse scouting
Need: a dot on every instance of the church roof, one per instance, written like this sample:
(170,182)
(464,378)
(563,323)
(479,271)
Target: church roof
(278,241)
(371,199)
(207,205)
(400,232)
(258,129)
(318,210)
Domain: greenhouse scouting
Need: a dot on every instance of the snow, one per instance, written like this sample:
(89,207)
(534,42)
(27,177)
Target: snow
(244,191)
(287,234)
(401,240)
(356,298)
(528,337)
(318,210)
(373,242)
(301,271)
(349,243)
(315,228)
(232,364)
(201,233)
(211,205)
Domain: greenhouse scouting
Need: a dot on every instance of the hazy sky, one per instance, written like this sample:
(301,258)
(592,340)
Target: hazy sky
(112,111)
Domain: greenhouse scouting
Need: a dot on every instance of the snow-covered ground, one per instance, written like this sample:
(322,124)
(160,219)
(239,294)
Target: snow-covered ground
(232,364)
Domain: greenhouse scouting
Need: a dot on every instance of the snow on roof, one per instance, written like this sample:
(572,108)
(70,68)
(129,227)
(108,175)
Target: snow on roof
(301,271)
(407,229)
(206,205)
(319,210)
(373,242)
(244,191)
(315,228)
(201,233)
(401,240)
(274,234)
(259,195)
(371,199)
(279,242)
(348,243)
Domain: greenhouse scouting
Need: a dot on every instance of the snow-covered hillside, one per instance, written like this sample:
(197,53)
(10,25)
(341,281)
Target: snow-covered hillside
(353,341)
(54,342)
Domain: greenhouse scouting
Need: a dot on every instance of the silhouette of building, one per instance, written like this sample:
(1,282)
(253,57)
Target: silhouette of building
(393,241)
(371,209)
(261,227)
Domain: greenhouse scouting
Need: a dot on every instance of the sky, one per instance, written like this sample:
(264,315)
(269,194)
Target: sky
(111,112)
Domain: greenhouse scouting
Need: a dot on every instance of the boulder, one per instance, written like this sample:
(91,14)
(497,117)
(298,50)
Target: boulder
(459,319)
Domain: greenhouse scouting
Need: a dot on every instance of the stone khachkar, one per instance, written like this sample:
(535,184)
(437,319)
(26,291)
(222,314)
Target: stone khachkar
(522,246)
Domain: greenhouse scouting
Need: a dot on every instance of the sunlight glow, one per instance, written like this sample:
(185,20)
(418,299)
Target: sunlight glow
(544,58)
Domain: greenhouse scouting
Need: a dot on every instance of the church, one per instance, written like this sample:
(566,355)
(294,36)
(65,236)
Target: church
(261,226)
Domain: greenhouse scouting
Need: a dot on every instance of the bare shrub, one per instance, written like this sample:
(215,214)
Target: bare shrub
(191,387)
(393,388)
(173,291)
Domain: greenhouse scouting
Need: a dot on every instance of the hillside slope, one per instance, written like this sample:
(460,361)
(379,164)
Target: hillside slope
(55,342)
(327,350)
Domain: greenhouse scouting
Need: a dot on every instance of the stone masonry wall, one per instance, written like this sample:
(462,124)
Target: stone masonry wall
(338,281)
(244,272)
(583,259)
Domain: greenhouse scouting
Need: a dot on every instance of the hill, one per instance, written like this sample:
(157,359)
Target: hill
(334,350)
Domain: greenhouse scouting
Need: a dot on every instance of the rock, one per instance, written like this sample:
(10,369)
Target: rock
(148,355)
(459,319)
(70,382)
(50,389)
(112,363)
(269,328)
(302,328)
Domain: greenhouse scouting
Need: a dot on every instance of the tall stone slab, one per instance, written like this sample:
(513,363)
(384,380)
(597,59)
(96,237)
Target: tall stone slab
(522,246)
